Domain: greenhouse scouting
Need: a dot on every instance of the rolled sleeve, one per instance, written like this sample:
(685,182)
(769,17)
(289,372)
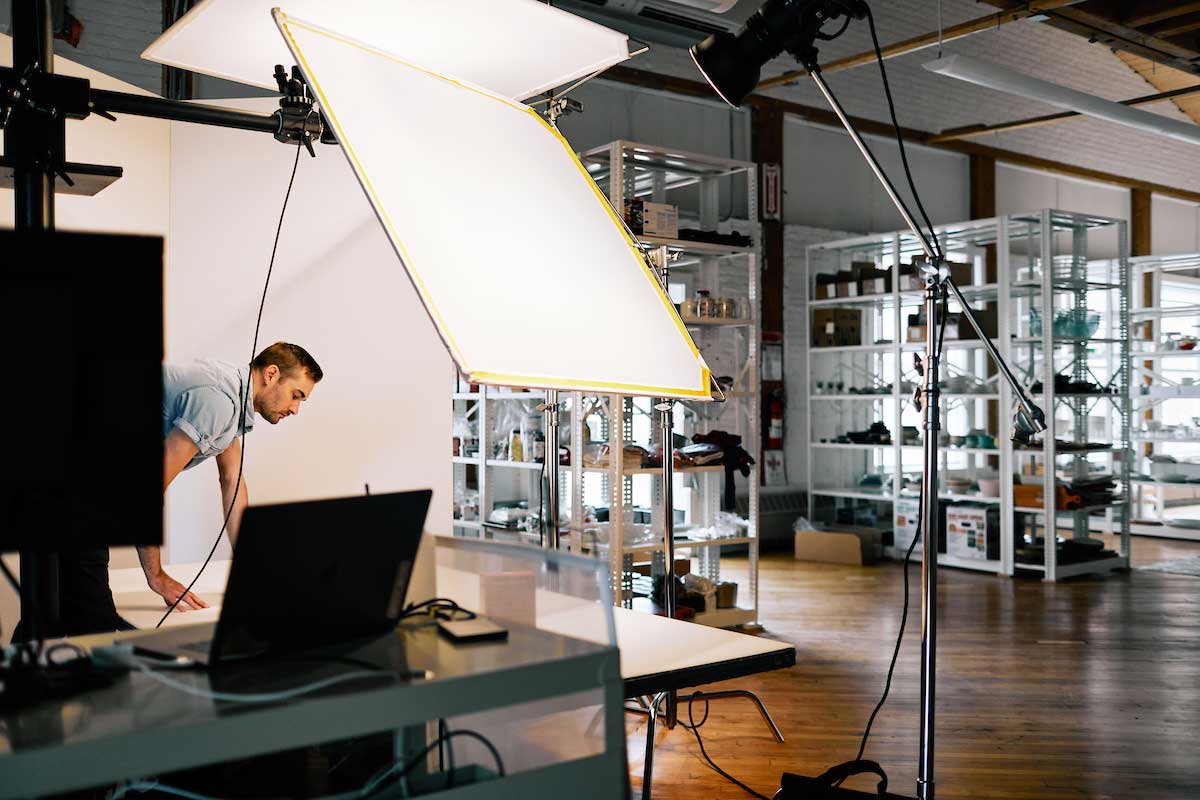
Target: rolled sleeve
(204,414)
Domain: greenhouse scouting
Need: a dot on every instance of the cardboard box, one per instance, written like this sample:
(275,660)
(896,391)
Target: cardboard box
(836,327)
(652,219)
(847,283)
(872,280)
(824,327)
(660,219)
(859,547)
(826,287)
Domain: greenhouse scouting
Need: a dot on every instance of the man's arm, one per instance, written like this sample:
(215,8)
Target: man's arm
(229,467)
(178,450)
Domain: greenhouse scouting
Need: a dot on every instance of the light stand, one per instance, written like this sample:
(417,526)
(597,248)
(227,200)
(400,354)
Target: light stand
(731,65)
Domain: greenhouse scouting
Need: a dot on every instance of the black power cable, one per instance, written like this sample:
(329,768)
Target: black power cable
(694,727)
(887,90)
(245,398)
(887,686)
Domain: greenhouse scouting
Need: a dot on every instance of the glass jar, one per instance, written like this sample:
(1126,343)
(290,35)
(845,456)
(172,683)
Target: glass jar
(706,306)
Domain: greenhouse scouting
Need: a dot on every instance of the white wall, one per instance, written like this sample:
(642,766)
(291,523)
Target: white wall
(1174,226)
(1020,189)
(827,183)
(137,203)
(381,415)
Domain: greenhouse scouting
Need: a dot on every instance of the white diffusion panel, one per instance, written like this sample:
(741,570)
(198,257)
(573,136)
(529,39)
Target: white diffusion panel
(524,268)
(515,48)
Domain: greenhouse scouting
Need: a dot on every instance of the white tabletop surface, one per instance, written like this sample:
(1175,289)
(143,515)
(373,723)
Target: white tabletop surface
(649,645)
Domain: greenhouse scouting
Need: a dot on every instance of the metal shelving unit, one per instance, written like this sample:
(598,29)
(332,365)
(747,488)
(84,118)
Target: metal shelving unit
(1165,324)
(1003,257)
(480,475)
(714,194)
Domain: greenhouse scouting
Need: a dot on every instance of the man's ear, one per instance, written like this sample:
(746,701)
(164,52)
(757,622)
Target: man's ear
(270,374)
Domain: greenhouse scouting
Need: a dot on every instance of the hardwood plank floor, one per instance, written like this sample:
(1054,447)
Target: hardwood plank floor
(1088,688)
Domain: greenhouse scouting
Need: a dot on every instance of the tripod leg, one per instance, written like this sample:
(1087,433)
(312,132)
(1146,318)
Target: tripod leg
(731,693)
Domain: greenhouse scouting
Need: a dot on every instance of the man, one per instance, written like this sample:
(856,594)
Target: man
(202,402)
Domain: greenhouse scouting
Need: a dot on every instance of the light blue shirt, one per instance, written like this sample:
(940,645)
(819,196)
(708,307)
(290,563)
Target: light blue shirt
(202,398)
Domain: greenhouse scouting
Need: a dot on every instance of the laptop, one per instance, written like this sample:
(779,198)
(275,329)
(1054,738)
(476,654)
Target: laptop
(305,576)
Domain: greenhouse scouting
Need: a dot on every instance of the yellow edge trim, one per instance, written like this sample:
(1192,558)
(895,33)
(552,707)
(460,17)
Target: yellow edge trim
(635,250)
(502,379)
(344,141)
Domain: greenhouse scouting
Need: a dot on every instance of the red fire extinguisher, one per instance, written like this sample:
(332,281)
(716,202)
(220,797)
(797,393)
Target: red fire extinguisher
(775,422)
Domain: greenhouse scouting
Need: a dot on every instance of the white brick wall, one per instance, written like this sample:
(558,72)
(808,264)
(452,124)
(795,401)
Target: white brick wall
(796,238)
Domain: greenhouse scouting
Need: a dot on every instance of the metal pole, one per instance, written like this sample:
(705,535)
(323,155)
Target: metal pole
(666,432)
(32,140)
(177,111)
(551,409)
(929,493)
(31,137)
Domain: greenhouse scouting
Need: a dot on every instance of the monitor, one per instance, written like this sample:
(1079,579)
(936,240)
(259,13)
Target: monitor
(81,321)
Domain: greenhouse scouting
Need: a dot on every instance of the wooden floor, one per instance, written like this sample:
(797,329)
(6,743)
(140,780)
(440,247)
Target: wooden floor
(1088,688)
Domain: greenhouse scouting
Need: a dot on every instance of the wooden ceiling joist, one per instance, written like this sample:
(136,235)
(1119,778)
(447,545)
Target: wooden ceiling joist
(1148,13)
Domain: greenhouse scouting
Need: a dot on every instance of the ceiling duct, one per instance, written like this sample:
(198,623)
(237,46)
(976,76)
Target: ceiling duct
(678,23)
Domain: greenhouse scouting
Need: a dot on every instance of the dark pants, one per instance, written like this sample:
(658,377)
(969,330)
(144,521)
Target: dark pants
(85,601)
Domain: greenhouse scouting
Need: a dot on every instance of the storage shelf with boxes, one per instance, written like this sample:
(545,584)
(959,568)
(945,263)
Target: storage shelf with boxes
(867,324)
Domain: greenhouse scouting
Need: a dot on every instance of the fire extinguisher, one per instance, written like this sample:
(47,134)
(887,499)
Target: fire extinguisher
(775,422)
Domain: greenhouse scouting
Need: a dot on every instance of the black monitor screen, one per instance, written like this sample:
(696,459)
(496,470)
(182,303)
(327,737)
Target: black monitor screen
(81,327)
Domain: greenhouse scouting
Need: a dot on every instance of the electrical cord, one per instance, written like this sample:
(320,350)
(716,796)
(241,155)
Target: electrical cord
(887,686)
(694,727)
(260,697)
(887,90)
(245,396)
(437,608)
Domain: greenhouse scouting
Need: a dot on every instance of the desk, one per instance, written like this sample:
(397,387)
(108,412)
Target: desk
(139,727)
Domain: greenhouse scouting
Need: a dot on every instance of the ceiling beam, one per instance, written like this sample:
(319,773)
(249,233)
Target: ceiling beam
(963,29)
(689,88)
(1147,13)
(1096,28)
(970,131)
(1175,27)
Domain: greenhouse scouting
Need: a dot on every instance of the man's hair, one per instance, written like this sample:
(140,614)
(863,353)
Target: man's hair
(288,357)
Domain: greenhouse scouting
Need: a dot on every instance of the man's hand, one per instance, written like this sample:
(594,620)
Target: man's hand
(170,590)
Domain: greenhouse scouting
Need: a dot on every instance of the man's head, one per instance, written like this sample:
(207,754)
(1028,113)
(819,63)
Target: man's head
(284,376)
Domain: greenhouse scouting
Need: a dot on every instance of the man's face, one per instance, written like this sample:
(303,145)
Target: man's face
(282,393)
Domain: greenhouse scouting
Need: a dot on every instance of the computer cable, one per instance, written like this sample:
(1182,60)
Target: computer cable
(245,395)
(437,608)
(259,697)
(396,770)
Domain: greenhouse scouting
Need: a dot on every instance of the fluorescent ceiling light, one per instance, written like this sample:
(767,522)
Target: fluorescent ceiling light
(515,48)
(525,269)
(1002,79)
